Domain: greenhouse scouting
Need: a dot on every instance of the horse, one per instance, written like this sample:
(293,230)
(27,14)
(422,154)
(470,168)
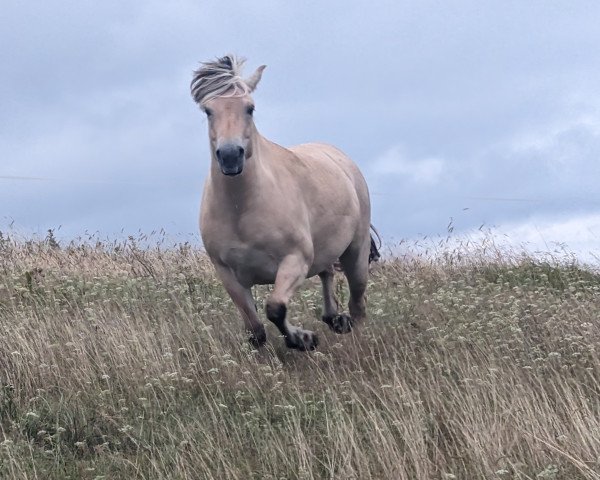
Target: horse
(275,215)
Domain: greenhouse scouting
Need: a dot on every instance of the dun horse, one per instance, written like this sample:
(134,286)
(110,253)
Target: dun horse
(274,215)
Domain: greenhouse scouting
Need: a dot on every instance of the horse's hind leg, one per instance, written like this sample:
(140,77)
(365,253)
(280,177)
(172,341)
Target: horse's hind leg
(355,262)
(330,303)
(339,323)
(290,275)
(242,298)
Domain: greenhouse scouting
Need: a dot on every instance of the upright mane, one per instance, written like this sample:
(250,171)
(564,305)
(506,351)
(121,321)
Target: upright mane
(215,79)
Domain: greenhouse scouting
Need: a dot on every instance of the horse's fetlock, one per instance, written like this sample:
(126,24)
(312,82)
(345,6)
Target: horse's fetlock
(258,337)
(276,312)
(357,312)
(340,323)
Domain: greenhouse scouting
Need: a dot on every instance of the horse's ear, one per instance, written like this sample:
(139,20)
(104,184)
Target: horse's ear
(253,80)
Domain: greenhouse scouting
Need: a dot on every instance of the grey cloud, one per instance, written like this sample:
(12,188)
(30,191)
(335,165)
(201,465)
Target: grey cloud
(99,92)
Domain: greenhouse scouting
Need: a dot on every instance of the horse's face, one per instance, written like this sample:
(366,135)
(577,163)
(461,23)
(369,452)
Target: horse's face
(230,127)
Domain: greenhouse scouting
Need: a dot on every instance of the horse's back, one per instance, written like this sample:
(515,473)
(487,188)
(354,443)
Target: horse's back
(323,153)
(327,160)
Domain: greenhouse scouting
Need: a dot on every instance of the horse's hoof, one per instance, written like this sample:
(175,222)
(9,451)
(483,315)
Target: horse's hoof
(301,339)
(341,323)
(257,338)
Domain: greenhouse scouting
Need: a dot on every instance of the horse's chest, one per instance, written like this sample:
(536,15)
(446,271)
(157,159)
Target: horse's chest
(251,248)
(251,265)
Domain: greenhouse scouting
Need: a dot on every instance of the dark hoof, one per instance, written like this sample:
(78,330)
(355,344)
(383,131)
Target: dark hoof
(341,323)
(258,338)
(302,340)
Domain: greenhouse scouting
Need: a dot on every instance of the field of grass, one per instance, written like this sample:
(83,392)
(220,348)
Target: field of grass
(123,362)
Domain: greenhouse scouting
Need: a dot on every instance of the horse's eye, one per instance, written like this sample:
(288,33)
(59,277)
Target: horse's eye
(208,112)
(250,110)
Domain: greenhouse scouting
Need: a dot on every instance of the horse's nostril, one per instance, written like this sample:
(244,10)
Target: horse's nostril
(241,151)
(218,153)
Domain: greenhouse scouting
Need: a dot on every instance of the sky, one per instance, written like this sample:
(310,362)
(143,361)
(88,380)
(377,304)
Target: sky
(465,112)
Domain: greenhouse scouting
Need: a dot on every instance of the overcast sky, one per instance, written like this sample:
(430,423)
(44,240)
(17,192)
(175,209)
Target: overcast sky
(484,112)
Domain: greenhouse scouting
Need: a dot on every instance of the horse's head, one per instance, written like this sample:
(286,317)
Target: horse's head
(225,98)
(230,127)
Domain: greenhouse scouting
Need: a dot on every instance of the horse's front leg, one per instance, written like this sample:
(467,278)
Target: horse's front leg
(243,300)
(290,275)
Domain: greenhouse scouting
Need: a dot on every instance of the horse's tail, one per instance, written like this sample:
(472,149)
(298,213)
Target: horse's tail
(374,254)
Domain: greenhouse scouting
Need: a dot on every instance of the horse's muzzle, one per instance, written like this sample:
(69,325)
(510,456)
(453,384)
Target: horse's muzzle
(231,159)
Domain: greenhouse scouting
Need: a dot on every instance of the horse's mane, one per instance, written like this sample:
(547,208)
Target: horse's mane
(215,79)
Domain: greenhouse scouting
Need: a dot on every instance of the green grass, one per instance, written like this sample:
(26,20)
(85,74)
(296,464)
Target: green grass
(123,362)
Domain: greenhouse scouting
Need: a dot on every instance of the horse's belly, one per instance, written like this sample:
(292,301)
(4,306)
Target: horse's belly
(251,266)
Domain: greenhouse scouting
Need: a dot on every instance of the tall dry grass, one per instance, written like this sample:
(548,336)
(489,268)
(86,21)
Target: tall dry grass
(118,361)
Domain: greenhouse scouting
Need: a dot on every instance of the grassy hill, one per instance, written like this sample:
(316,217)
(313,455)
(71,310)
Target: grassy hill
(123,362)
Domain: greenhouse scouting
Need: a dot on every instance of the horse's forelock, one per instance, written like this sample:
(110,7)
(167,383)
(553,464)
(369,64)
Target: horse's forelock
(216,78)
